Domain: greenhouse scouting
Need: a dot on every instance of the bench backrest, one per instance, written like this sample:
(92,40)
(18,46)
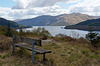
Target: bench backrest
(27,40)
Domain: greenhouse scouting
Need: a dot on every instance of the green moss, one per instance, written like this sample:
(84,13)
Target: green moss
(94,56)
(69,52)
(86,52)
(5,56)
(1,63)
(74,57)
(97,52)
(0,56)
(36,57)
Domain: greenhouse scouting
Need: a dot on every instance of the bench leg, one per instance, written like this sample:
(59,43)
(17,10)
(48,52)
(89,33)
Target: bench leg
(44,57)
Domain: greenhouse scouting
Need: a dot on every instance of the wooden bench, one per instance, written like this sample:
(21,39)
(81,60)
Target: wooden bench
(30,47)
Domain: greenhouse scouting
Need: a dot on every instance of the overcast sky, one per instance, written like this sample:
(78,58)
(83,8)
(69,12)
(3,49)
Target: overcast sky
(23,9)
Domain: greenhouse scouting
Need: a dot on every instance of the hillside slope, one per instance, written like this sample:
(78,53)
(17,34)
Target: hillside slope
(65,52)
(60,20)
(4,22)
(87,25)
(93,22)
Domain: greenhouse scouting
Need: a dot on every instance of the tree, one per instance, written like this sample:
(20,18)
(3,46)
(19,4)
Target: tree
(94,38)
(45,33)
(9,32)
(21,31)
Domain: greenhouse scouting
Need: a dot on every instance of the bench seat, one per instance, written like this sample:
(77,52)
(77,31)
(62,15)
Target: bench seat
(37,50)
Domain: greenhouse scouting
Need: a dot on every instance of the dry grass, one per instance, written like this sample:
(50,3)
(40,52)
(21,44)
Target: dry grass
(5,43)
(64,53)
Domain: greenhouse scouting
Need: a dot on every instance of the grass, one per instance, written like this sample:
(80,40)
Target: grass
(5,43)
(4,56)
(64,53)
(72,55)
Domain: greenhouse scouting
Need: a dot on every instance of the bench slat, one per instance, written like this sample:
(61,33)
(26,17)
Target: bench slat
(27,40)
(37,50)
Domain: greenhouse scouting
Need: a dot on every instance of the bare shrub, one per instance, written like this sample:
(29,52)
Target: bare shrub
(73,40)
(74,34)
(64,37)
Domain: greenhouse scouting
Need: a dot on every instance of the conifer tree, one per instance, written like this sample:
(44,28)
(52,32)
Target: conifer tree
(21,31)
(9,31)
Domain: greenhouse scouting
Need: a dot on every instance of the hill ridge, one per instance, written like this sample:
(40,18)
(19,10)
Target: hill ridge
(60,20)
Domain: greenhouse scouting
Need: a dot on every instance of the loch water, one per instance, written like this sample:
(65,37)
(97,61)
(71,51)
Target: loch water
(54,30)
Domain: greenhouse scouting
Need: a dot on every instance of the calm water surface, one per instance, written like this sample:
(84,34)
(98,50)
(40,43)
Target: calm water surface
(54,30)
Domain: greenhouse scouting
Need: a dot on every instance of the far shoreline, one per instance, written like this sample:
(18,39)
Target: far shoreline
(84,27)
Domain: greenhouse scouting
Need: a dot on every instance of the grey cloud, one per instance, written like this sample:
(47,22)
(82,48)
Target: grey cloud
(21,4)
(78,9)
(96,9)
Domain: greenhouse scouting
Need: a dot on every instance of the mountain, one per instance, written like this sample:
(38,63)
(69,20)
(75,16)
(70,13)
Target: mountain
(4,22)
(93,24)
(60,20)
